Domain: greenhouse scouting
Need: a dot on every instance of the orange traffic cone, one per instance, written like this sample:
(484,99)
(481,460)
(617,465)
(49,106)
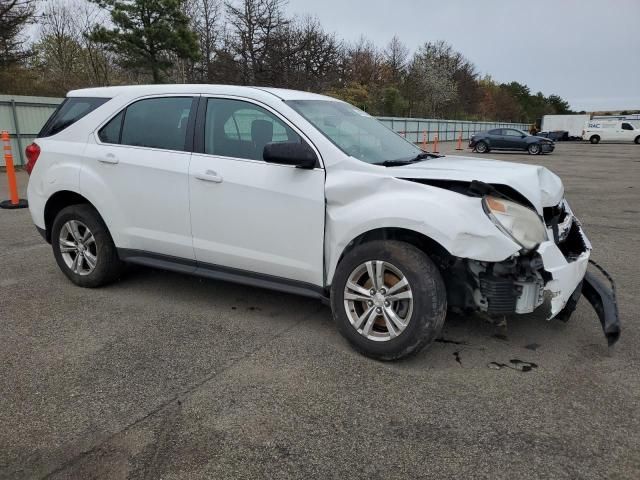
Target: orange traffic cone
(425,140)
(435,144)
(459,147)
(14,201)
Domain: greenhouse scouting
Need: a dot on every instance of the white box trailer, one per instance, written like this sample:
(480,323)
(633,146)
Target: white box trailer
(574,124)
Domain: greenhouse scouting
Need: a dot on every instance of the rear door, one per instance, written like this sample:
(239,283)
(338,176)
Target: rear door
(137,170)
(247,214)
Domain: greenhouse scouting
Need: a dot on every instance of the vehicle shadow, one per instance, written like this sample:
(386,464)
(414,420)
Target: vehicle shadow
(466,341)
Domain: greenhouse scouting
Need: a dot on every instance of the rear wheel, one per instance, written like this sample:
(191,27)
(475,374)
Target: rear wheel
(83,248)
(482,147)
(595,139)
(388,299)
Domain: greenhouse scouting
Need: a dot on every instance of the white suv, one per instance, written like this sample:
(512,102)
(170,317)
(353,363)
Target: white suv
(309,195)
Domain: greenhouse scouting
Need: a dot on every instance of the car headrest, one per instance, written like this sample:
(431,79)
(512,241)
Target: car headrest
(261,132)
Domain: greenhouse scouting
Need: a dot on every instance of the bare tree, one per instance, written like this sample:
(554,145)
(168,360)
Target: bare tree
(255,25)
(65,51)
(206,22)
(304,56)
(395,59)
(363,62)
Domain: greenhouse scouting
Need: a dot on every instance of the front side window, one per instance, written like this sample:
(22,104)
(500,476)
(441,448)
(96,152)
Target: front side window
(234,128)
(627,126)
(355,132)
(69,112)
(495,131)
(153,122)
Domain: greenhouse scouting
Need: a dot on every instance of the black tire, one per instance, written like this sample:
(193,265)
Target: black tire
(429,299)
(482,147)
(594,139)
(637,140)
(534,149)
(108,266)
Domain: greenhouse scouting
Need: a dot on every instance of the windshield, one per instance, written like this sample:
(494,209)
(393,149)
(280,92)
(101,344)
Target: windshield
(355,132)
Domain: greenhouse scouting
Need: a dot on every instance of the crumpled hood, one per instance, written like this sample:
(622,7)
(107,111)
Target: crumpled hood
(542,187)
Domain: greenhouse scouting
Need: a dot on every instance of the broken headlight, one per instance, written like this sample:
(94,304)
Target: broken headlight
(520,223)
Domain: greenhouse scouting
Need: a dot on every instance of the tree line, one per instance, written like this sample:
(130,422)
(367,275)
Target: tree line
(82,43)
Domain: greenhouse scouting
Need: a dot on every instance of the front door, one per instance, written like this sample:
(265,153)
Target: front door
(247,214)
(627,132)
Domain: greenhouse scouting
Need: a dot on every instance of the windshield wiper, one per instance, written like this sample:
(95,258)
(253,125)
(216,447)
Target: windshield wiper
(418,158)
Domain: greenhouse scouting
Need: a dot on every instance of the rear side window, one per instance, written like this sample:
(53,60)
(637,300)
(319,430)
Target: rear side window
(110,133)
(69,112)
(153,123)
(157,123)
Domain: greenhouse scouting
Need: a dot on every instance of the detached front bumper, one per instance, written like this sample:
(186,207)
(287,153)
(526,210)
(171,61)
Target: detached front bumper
(551,279)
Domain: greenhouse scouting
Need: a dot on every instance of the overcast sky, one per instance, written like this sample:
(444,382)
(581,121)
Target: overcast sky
(587,51)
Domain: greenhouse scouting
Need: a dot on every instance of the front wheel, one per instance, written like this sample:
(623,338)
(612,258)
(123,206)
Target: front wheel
(594,139)
(637,140)
(482,147)
(388,299)
(83,248)
(534,149)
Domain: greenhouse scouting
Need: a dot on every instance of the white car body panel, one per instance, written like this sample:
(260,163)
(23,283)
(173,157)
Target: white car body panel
(59,167)
(144,198)
(259,217)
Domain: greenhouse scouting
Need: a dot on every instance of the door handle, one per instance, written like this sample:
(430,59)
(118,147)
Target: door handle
(209,176)
(109,158)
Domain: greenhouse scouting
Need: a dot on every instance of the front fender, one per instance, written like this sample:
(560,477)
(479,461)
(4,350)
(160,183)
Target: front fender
(358,202)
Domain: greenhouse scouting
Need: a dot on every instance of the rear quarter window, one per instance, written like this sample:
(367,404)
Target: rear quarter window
(69,112)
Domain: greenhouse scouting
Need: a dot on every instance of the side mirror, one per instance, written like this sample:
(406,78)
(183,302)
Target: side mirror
(522,136)
(299,155)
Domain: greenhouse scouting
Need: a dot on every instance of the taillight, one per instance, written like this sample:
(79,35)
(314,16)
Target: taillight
(32,152)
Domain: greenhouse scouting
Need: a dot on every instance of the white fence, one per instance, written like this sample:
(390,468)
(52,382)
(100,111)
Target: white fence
(414,129)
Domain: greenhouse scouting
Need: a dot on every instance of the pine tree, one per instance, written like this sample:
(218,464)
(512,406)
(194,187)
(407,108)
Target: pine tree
(14,14)
(147,35)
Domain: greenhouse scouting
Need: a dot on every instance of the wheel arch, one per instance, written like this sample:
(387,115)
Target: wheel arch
(426,244)
(59,200)
(484,140)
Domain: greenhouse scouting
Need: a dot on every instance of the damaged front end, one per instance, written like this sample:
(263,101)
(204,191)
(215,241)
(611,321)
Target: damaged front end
(548,280)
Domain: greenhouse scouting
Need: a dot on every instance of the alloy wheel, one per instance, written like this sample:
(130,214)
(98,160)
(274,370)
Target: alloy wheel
(378,300)
(78,247)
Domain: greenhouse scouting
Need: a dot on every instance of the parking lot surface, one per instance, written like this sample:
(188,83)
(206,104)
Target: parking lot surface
(169,376)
